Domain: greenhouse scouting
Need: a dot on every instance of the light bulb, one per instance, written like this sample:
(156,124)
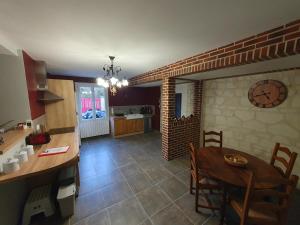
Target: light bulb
(125,82)
(100,81)
(119,84)
(106,84)
(114,80)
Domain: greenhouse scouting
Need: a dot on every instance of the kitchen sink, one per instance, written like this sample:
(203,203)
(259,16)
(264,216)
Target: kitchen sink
(134,116)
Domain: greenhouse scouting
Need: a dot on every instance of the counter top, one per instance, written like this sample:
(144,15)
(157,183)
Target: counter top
(37,165)
(12,137)
(124,117)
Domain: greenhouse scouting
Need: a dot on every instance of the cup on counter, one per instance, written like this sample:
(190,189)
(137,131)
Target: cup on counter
(22,156)
(29,149)
(11,165)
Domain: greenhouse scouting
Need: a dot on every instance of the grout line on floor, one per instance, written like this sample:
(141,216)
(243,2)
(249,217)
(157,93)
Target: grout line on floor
(140,204)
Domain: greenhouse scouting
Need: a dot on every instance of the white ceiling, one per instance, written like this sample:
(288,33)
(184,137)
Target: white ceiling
(75,37)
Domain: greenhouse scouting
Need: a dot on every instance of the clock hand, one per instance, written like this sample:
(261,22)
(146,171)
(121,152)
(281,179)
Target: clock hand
(264,93)
(259,95)
(267,96)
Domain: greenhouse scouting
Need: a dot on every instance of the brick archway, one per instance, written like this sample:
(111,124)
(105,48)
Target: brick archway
(275,43)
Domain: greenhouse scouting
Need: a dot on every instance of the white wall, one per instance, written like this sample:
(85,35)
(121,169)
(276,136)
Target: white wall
(13,90)
(14,106)
(187,98)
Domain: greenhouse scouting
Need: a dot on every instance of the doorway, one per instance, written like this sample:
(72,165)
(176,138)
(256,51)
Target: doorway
(178,97)
(92,108)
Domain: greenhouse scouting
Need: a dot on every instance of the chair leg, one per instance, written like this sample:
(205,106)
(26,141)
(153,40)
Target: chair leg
(223,206)
(191,184)
(197,197)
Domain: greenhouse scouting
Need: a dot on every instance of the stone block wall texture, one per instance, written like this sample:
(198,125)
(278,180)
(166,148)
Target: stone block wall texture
(248,128)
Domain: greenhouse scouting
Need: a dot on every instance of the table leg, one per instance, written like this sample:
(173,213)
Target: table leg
(223,206)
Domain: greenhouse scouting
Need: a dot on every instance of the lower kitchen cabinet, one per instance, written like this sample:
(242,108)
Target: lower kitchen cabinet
(120,126)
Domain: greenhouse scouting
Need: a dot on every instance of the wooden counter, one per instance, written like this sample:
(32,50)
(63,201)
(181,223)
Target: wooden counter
(38,165)
(12,137)
(120,126)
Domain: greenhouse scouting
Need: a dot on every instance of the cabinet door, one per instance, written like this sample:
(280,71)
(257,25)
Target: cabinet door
(130,126)
(120,127)
(140,125)
(61,114)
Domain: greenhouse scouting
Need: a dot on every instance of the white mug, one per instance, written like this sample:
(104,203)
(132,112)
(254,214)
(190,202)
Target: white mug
(29,149)
(11,165)
(22,156)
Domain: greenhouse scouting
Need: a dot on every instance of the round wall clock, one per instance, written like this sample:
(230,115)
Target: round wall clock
(267,93)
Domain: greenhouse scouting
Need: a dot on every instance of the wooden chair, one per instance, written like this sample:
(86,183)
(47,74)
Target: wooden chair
(287,164)
(255,210)
(209,139)
(202,182)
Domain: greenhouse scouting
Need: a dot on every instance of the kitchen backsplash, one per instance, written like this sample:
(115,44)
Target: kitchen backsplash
(130,109)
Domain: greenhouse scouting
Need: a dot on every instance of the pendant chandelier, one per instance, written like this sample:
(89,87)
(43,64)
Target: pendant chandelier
(110,79)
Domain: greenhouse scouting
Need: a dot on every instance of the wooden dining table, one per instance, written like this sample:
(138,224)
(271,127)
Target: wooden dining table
(211,160)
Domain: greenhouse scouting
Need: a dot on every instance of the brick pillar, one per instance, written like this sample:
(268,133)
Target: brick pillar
(168,113)
(198,88)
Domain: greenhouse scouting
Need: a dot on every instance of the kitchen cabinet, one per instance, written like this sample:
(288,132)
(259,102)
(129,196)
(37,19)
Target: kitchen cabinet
(61,114)
(120,126)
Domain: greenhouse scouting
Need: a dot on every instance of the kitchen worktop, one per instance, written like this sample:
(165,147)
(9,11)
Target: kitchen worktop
(37,165)
(12,137)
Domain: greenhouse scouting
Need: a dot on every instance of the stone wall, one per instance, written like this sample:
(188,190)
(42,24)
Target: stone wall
(248,128)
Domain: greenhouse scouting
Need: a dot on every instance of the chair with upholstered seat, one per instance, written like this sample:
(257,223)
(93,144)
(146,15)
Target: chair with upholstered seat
(255,210)
(213,137)
(286,161)
(202,182)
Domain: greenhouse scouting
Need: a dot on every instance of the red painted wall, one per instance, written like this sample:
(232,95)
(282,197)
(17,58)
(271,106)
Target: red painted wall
(139,96)
(37,108)
(127,96)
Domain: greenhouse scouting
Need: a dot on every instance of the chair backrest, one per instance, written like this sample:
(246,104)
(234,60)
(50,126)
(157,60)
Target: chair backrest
(288,164)
(218,138)
(194,161)
(256,199)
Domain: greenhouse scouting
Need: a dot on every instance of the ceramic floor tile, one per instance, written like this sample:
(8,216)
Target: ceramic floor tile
(170,215)
(130,170)
(127,212)
(157,173)
(173,188)
(99,218)
(139,182)
(153,200)
(87,205)
(115,193)
(187,204)
(184,176)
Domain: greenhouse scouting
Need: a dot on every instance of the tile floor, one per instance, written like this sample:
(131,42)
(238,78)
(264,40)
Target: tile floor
(126,182)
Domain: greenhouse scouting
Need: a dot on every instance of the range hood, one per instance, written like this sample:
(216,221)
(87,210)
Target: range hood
(41,79)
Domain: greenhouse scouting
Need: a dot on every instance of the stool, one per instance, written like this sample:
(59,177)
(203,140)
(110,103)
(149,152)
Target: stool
(39,201)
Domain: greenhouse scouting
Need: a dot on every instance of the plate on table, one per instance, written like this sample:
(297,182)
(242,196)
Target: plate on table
(235,160)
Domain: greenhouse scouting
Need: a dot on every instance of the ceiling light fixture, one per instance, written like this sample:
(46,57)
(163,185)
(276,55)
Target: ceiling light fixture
(110,79)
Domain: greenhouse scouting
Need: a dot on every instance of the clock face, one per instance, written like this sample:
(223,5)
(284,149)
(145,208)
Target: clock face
(267,93)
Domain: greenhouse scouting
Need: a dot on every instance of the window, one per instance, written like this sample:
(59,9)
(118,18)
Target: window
(99,102)
(86,99)
(92,100)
